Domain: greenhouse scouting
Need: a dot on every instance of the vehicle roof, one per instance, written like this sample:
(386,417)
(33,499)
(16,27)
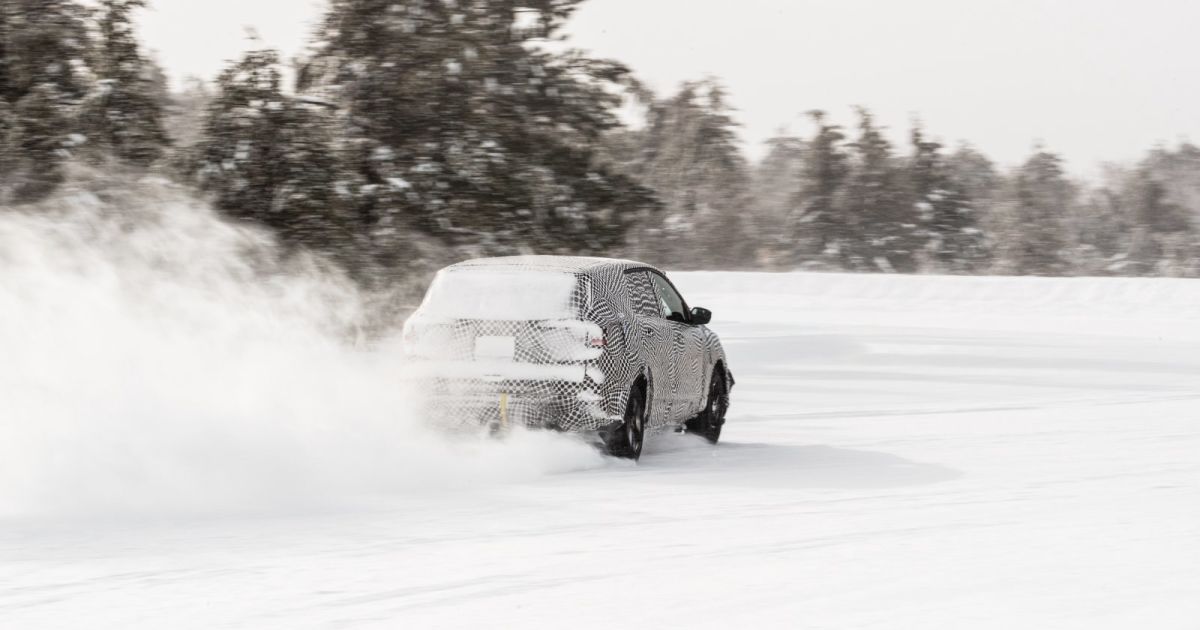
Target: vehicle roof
(566,264)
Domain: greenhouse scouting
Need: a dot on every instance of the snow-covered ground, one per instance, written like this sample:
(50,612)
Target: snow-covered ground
(902,452)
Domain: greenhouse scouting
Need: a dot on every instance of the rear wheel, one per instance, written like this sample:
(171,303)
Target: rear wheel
(626,442)
(708,424)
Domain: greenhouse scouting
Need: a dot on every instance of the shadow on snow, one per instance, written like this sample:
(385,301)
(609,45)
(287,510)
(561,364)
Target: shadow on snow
(783,466)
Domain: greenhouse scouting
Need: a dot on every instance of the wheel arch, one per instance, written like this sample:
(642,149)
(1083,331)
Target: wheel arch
(646,378)
(719,368)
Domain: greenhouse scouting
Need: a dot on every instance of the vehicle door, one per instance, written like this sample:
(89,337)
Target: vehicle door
(687,352)
(653,338)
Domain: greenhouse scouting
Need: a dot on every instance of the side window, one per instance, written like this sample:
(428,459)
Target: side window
(641,294)
(669,299)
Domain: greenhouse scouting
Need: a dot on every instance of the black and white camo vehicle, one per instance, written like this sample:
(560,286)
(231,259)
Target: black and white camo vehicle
(590,345)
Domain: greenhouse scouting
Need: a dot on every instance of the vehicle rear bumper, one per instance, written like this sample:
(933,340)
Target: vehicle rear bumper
(474,394)
(501,410)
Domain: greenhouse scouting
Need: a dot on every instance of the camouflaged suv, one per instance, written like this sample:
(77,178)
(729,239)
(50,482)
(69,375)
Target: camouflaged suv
(590,345)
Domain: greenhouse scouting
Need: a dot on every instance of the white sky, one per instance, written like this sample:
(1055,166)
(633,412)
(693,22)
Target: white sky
(198,37)
(1094,80)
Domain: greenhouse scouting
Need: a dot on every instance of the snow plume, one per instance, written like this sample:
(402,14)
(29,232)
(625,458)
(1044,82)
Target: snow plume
(157,359)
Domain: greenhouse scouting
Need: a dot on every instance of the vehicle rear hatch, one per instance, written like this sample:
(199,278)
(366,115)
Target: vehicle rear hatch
(504,323)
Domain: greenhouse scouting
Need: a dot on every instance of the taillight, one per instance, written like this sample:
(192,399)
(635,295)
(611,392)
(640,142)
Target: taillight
(572,340)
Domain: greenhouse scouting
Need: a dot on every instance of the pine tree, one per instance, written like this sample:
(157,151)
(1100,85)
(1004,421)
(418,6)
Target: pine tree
(7,89)
(39,141)
(8,126)
(975,174)
(880,226)
(954,241)
(1177,219)
(1157,222)
(1103,228)
(1154,209)
(43,76)
(124,114)
(820,231)
(688,154)
(272,159)
(43,42)
(1041,197)
(1178,170)
(774,191)
(462,127)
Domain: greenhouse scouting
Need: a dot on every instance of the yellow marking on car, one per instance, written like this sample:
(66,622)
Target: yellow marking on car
(504,410)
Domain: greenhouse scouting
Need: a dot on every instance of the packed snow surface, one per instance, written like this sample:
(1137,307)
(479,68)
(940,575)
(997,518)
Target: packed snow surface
(902,452)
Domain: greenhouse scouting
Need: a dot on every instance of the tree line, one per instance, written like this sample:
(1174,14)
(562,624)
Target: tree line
(416,132)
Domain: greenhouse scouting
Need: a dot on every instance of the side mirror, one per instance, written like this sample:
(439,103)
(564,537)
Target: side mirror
(701,316)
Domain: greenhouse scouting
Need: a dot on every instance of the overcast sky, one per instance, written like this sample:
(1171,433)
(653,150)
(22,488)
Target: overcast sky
(1095,80)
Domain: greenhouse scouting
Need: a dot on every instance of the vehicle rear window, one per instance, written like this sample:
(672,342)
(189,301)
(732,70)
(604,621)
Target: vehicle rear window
(506,294)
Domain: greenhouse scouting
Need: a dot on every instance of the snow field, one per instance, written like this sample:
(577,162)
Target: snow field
(185,443)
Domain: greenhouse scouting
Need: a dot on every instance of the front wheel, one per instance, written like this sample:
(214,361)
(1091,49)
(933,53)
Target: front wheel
(708,424)
(627,440)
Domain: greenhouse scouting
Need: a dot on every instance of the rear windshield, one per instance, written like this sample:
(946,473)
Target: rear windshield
(503,294)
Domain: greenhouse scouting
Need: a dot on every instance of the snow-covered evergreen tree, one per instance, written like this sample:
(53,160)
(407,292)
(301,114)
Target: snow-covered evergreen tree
(954,241)
(39,140)
(975,174)
(8,157)
(43,42)
(1174,211)
(881,228)
(43,76)
(821,233)
(272,159)
(1034,240)
(463,126)
(1162,226)
(124,113)
(775,179)
(689,155)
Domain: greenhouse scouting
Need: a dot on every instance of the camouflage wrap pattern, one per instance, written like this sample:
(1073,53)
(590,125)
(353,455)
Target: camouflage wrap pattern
(572,374)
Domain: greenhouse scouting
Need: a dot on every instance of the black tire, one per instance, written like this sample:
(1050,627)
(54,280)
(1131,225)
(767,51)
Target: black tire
(708,424)
(627,441)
